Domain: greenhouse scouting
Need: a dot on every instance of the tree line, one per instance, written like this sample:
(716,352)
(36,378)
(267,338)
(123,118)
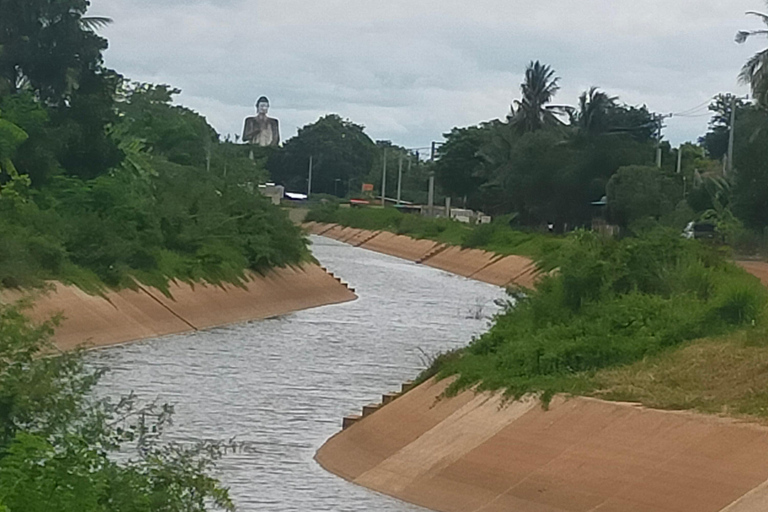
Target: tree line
(548,163)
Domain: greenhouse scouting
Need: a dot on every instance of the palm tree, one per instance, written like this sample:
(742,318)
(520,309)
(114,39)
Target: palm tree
(594,106)
(94,22)
(532,111)
(755,71)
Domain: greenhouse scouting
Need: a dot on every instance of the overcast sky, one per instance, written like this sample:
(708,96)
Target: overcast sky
(411,70)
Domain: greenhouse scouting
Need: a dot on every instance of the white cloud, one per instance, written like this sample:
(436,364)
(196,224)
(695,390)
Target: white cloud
(411,70)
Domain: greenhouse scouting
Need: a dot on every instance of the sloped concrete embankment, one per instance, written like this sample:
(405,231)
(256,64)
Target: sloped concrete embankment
(483,266)
(128,315)
(474,452)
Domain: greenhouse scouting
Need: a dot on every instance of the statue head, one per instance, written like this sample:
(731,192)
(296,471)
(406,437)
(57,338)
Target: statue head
(262,105)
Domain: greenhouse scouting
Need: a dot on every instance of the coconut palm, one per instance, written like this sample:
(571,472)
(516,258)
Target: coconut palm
(532,112)
(94,22)
(594,107)
(755,71)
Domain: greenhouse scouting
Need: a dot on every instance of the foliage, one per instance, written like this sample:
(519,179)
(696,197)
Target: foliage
(638,192)
(103,182)
(57,442)
(458,168)
(750,187)
(532,112)
(612,302)
(715,141)
(755,70)
(339,148)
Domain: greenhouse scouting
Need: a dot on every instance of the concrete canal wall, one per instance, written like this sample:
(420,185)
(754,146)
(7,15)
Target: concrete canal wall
(128,315)
(474,452)
(484,266)
(478,453)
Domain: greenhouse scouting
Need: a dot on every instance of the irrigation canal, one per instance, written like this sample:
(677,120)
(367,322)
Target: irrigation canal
(280,387)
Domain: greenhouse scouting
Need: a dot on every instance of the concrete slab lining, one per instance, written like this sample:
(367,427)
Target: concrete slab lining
(475,453)
(128,315)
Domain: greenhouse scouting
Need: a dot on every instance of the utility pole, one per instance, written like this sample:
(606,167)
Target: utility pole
(729,167)
(400,178)
(431,196)
(309,181)
(680,159)
(660,120)
(384,181)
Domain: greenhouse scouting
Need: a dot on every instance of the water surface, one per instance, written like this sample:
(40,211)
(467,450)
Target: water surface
(282,386)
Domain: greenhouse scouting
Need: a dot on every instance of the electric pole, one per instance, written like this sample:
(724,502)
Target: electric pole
(431,196)
(400,178)
(680,159)
(309,181)
(729,166)
(384,181)
(660,120)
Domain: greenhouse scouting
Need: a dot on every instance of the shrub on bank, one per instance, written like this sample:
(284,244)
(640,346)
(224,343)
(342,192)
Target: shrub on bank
(612,302)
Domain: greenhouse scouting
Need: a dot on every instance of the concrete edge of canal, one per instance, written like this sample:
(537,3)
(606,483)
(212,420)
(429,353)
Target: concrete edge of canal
(478,452)
(130,315)
(475,264)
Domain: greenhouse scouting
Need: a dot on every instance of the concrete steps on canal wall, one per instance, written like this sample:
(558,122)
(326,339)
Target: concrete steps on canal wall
(480,452)
(128,315)
(386,399)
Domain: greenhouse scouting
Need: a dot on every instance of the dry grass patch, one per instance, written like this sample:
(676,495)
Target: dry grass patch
(726,375)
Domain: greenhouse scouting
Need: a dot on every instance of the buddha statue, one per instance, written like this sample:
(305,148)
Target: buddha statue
(260,129)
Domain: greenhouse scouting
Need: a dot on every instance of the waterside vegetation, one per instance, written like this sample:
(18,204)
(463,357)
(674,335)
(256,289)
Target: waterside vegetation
(105,182)
(617,313)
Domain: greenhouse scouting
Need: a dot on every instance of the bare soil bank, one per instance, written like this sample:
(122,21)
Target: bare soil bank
(475,453)
(472,263)
(129,315)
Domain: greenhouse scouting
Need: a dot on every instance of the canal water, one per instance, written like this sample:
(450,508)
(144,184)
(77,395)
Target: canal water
(281,386)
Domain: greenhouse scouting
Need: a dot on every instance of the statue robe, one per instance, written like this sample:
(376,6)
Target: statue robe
(262,131)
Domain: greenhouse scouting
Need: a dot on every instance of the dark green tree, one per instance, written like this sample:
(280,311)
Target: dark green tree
(50,52)
(639,192)
(750,188)
(715,141)
(339,148)
(459,163)
(593,115)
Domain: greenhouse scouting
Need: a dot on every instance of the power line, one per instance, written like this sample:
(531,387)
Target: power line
(697,107)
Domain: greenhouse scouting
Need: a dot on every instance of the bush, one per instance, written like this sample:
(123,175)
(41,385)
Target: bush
(611,303)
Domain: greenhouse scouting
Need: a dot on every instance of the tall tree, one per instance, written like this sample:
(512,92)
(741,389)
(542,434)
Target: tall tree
(595,106)
(755,71)
(51,55)
(459,162)
(339,148)
(532,112)
(715,141)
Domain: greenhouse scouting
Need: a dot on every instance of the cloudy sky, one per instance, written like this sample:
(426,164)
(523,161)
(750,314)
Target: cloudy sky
(411,70)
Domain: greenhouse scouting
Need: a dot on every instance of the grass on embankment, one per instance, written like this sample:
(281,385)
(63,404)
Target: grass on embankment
(620,320)
(725,375)
(496,237)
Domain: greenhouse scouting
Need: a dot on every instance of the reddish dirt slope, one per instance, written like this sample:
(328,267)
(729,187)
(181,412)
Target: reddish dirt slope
(758,269)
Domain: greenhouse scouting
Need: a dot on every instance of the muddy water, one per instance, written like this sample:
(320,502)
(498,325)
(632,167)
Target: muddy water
(282,386)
